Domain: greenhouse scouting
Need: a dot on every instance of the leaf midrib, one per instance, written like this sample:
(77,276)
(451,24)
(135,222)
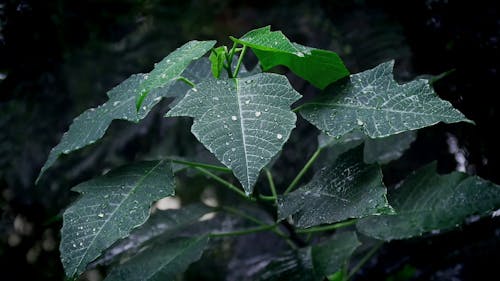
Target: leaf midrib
(117,207)
(243,136)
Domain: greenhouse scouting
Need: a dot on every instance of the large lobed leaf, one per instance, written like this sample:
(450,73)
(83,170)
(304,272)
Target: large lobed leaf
(109,208)
(374,103)
(243,121)
(138,88)
(427,201)
(319,67)
(161,263)
(345,189)
(313,263)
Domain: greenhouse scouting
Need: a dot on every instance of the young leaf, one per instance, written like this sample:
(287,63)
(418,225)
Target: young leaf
(91,125)
(381,150)
(110,206)
(217,58)
(427,201)
(376,104)
(313,263)
(162,262)
(243,121)
(319,67)
(345,189)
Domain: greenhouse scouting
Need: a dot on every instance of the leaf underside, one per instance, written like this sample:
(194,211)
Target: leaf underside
(319,67)
(313,263)
(345,189)
(375,104)
(109,208)
(427,201)
(150,88)
(243,121)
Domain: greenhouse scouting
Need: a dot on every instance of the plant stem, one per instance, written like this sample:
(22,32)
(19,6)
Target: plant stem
(187,81)
(365,259)
(267,198)
(303,171)
(201,165)
(224,182)
(244,232)
(271,184)
(327,227)
(229,60)
(240,59)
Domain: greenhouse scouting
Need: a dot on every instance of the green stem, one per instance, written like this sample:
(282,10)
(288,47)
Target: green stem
(244,232)
(326,227)
(224,182)
(187,81)
(267,198)
(229,60)
(365,259)
(201,165)
(240,59)
(303,171)
(271,184)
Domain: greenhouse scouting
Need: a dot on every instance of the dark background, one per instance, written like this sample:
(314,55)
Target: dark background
(58,58)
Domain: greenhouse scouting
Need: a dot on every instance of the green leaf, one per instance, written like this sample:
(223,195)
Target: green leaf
(345,189)
(381,150)
(109,208)
(217,58)
(427,201)
(243,121)
(272,48)
(374,103)
(313,263)
(145,89)
(161,263)
(162,225)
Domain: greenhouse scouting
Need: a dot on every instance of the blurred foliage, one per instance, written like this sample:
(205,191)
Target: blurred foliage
(59,57)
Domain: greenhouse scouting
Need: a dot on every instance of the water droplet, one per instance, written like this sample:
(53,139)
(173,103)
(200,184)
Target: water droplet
(74,245)
(257,113)
(144,108)
(266,110)
(101,215)
(227,143)
(218,115)
(233,149)
(81,244)
(247,101)
(215,98)
(116,103)
(194,90)
(225,126)
(248,81)
(163,75)
(168,60)
(360,123)
(146,77)
(229,159)
(279,136)
(93,229)
(234,118)
(66,151)
(157,99)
